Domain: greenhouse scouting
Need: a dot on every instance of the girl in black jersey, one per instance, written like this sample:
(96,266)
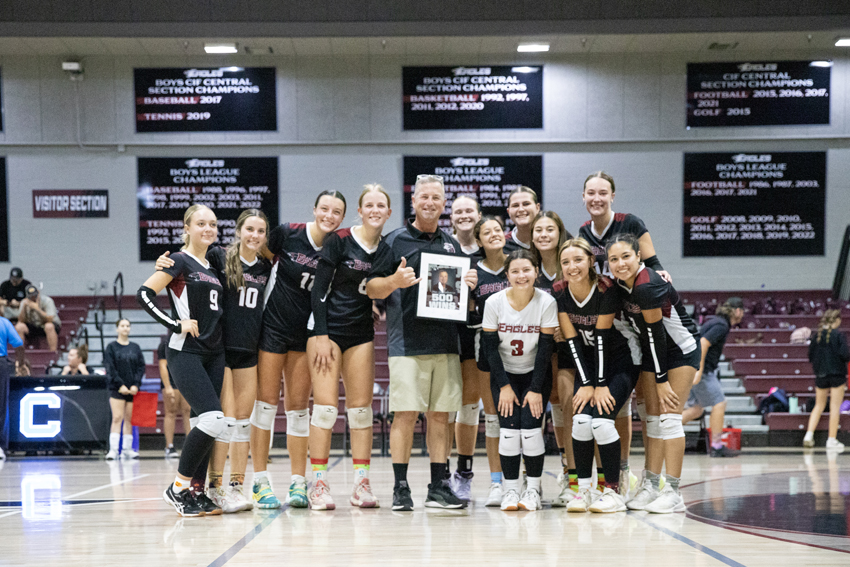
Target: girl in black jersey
(465,215)
(342,342)
(587,307)
(195,353)
(523,208)
(125,368)
(283,346)
(670,348)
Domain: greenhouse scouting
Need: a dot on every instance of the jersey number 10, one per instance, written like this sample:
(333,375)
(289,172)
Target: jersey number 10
(248,297)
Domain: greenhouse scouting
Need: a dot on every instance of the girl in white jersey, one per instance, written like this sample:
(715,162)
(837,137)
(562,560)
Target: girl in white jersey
(518,341)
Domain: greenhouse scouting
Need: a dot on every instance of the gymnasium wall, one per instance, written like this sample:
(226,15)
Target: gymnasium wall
(339,126)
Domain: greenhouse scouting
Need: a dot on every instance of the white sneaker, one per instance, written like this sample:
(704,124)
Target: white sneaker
(129,455)
(530,500)
(581,500)
(644,495)
(510,501)
(609,502)
(628,483)
(564,493)
(221,497)
(320,496)
(834,444)
(237,496)
(112,455)
(2,454)
(668,501)
(494,496)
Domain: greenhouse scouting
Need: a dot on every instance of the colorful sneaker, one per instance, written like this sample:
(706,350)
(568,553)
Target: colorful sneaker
(240,501)
(209,507)
(461,485)
(221,497)
(263,496)
(362,496)
(297,497)
(441,496)
(610,501)
(581,500)
(667,502)
(182,502)
(510,501)
(494,496)
(529,501)
(320,496)
(644,495)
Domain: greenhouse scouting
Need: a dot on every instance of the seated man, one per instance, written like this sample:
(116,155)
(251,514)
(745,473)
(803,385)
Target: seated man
(38,316)
(12,292)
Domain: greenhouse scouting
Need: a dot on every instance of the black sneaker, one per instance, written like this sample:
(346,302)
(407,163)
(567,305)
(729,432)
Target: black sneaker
(208,506)
(724,451)
(171,452)
(441,496)
(402,502)
(183,502)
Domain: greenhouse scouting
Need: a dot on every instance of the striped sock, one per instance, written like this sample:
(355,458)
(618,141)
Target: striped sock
(572,475)
(361,468)
(237,478)
(600,478)
(320,468)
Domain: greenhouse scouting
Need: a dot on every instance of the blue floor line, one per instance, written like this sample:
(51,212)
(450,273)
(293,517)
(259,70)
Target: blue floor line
(698,546)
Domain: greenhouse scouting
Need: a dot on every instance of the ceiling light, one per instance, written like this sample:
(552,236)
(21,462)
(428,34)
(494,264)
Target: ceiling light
(220,48)
(532,47)
(842,42)
(524,69)
(820,64)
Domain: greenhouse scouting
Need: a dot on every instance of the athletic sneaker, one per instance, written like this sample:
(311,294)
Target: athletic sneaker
(171,452)
(362,495)
(668,501)
(808,443)
(183,502)
(263,496)
(441,496)
(530,500)
(240,501)
(510,501)
(129,455)
(461,485)
(724,451)
(209,507)
(566,493)
(494,496)
(320,496)
(112,455)
(2,454)
(402,502)
(610,501)
(644,495)
(222,498)
(834,444)
(297,497)
(581,500)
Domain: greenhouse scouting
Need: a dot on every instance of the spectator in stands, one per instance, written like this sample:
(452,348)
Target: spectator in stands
(8,336)
(125,368)
(77,358)
(829,356)
(12,293)
(707,391)
(38,317)
(173,400)
(23,367)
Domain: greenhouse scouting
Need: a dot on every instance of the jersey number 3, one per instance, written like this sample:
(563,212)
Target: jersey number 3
(517,344)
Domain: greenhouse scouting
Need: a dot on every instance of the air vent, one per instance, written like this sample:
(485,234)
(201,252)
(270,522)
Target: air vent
(717,46)
(258,50)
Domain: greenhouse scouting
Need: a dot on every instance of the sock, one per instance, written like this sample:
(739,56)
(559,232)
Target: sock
(320,468)
(585,483)
(600,477)
(809,435)
(361,468)
(170,446)
(438,474)
(564,464)
(609,454)
(534,483)
(215,479)
(572,475)
(237,479)
(127,443)
(197,486)
(496,478)
(654,479)
(673,483)
(180,484)
(512,485)
(259,476)
(297,479)
(400,473)
(624,465)
(114,441)
(464,463)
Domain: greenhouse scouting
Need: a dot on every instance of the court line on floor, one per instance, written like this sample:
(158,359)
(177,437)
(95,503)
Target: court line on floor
(83,493)
(257,530)
(698,546)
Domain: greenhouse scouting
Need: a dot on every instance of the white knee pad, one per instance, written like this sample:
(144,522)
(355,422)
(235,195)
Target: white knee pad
(452,417)
(468,414)
(243,431)
(193,422)
(262,417)
(604,431)
(227,433)
(653,427)
(626,410)
(582,430)
(359,418)
(557,415)
(324,417)
(532,442)
(510,442)
(212,423)
(491,425)
(641,409)
(298,423)
(671,426)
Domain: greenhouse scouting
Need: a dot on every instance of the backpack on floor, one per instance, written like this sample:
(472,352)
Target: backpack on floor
(775,402)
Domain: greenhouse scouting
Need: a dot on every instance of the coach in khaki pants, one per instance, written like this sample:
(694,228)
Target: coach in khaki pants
(423,353)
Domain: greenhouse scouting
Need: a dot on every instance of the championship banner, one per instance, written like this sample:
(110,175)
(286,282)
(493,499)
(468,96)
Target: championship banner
(223,99)
(4,215)
(455,98)
(228,186)
(489,178)
(766,204)
(70,203)
(758,94)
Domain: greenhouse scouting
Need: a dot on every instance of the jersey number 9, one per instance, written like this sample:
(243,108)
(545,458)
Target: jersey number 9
(214,299)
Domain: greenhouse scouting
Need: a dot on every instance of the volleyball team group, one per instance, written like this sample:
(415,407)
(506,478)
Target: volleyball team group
(579,322)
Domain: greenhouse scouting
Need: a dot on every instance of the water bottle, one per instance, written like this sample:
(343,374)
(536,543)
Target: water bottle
(793,404)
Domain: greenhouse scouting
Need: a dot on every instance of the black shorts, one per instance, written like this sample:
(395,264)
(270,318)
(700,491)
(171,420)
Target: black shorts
(34,330)
(621,384)
(466,336)
(521,418)
(199,378)
(675,359)
(278,342)
(114,394)
(830,381)
(239,359)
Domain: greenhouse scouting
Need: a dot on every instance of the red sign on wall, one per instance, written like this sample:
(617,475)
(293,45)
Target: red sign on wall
(70,203)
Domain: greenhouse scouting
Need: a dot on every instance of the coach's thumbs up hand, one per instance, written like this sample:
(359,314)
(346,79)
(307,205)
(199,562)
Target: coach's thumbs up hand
(404,276)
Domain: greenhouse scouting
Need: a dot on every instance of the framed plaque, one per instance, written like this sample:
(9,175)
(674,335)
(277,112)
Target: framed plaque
(442,291)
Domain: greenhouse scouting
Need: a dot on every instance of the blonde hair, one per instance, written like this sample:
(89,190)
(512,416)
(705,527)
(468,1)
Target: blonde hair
(826,322)
(584,246)
(187,220)
(369,188)
(232,262)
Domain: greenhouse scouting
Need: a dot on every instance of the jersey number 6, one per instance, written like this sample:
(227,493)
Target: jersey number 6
(517,344)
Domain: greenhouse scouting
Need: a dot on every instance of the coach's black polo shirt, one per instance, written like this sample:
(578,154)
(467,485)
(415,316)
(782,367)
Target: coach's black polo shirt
(408,335)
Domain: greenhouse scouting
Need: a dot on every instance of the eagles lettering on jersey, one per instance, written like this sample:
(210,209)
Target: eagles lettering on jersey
(287,297)
(519,331)
(340,303)
(620,223)
(195,292)
(489,283)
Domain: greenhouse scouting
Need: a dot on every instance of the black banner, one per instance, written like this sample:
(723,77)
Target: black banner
(223,99)
(1,100)
(4,215)
(70,203)
(770,204)
(489,178)
(168,186)
(448,98)
(758,94)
